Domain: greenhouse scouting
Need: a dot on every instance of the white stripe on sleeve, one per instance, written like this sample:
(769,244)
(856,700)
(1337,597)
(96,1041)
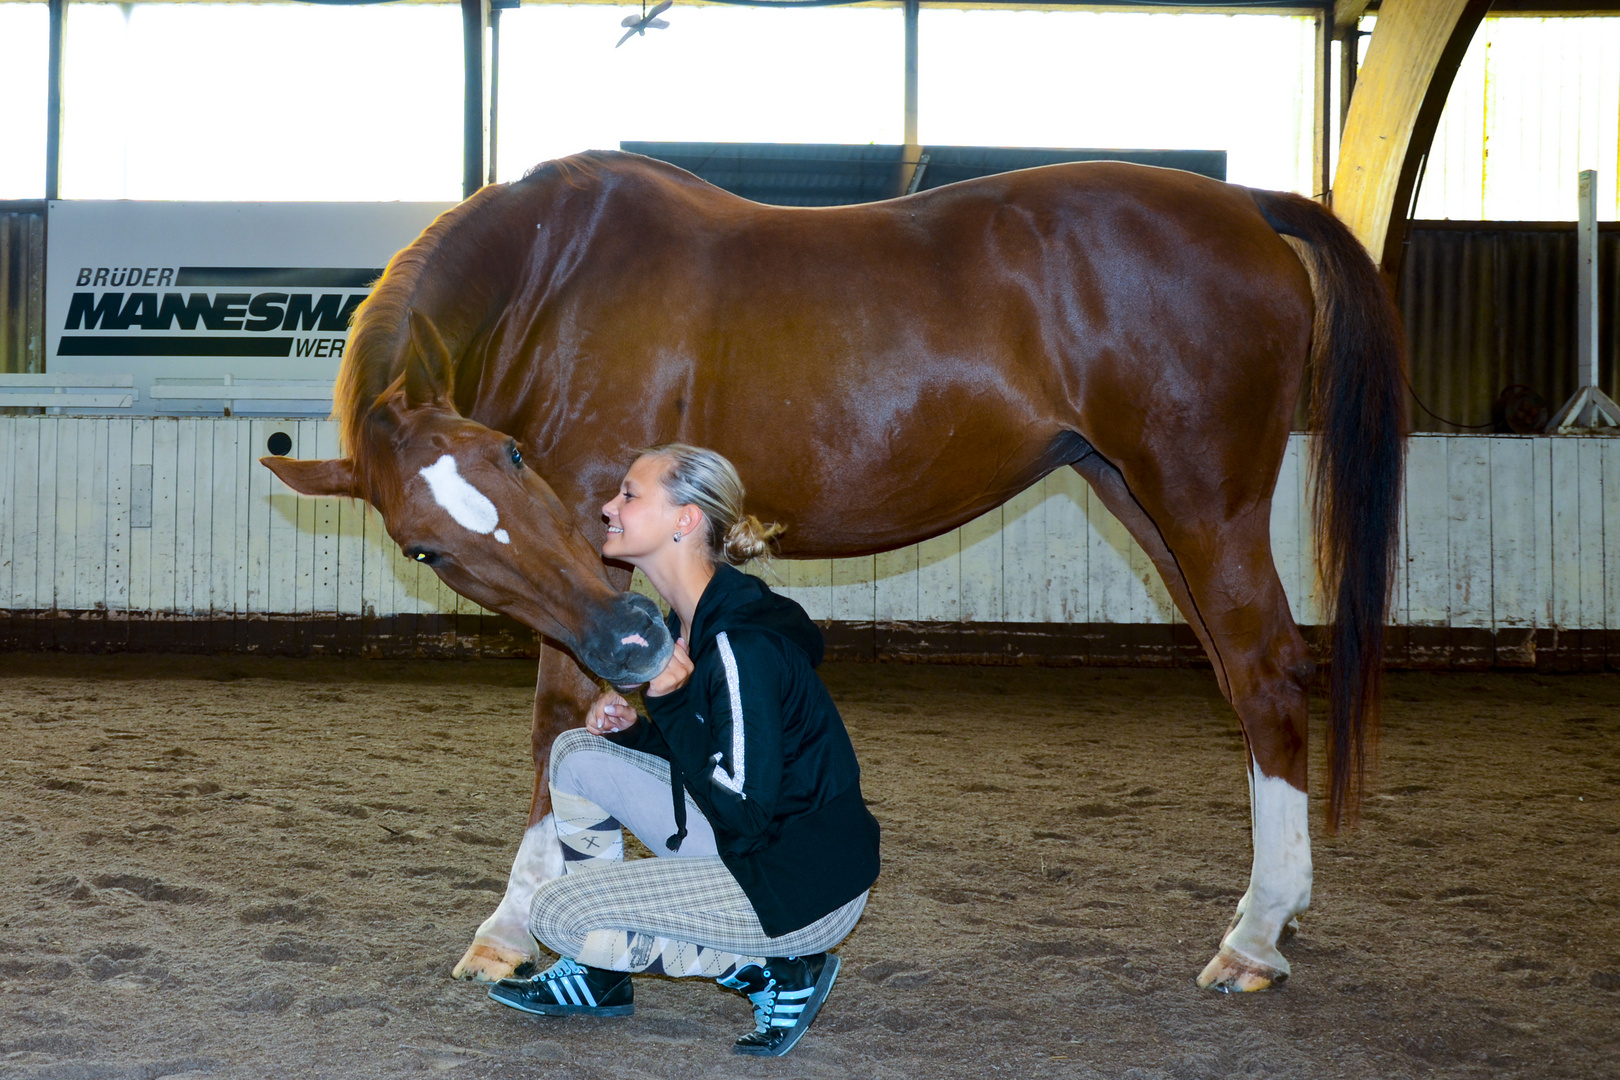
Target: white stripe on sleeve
(733,782)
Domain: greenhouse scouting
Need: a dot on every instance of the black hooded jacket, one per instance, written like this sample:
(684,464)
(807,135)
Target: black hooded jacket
(755,739)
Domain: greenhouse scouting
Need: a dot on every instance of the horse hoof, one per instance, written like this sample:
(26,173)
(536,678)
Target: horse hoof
(1233,974)
(488,962)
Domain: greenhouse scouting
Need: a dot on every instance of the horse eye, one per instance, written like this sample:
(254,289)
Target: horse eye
(517,457)
(427,558)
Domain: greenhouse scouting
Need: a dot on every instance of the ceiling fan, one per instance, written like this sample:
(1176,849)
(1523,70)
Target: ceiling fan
(648,19)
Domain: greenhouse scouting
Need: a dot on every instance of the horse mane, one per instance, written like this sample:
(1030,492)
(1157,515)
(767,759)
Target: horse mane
(373,366)
(379,336)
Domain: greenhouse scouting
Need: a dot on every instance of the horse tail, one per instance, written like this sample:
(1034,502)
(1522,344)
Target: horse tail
(1358,458)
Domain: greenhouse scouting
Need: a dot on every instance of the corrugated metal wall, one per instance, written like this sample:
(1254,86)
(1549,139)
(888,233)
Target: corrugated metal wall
(22,287)
(1490,303)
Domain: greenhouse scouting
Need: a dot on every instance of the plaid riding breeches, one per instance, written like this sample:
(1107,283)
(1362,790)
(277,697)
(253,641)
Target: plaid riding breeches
(687,896)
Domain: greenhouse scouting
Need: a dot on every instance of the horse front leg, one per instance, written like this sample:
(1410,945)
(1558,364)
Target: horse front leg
(503,942)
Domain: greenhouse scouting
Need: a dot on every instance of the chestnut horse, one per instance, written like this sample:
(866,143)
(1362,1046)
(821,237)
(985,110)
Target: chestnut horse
(881,374)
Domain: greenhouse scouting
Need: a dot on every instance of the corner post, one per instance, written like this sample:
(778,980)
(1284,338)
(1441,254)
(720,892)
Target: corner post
(474,17)
(1322,110)
(53,101)
(911,153)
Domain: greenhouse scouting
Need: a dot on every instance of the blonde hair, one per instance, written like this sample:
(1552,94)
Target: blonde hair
(705,479)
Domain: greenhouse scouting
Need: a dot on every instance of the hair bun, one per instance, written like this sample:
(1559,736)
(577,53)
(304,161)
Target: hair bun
(748,539)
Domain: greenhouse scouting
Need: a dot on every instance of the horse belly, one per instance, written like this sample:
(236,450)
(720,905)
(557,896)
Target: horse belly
(874,491)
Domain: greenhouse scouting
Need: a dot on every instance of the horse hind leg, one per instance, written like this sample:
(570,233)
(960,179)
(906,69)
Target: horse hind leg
(1221,575)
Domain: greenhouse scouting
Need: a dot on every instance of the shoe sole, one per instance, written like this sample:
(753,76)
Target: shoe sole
(553,1009)
(824,985)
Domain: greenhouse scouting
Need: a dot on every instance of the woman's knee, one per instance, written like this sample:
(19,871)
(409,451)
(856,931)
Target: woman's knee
(559,915)
(573,741)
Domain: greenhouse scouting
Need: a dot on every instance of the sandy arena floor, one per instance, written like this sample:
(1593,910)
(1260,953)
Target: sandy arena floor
(254,868)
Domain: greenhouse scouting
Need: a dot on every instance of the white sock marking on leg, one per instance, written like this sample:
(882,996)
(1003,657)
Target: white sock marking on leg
(1282,841)
(1280,882)
(539,860)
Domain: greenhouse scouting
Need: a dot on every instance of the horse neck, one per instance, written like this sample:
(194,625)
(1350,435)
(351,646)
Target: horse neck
(519,259)
(459,274)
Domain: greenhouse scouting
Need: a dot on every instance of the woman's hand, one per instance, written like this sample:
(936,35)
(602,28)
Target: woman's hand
(609,712)
(674,675)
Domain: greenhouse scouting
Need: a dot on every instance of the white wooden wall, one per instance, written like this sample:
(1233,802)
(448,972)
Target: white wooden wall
(176,515)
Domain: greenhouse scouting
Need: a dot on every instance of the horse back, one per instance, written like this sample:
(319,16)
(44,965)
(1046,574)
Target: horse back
(967,332)
(1087,240)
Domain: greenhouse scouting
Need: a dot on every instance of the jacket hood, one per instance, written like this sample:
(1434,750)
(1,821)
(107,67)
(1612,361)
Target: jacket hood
(733,600)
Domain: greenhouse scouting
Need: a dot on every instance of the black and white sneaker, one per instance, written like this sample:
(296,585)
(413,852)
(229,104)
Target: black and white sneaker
(568,988)
(787,993)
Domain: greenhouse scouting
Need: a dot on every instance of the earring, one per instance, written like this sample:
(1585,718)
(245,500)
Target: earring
(677,538)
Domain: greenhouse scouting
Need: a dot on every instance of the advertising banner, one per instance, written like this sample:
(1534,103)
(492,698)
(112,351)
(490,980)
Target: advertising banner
(253,299)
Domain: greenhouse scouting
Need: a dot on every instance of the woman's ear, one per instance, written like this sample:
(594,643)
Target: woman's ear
(691,518)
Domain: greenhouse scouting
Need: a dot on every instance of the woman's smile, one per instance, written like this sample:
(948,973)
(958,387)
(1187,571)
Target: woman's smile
(639,517)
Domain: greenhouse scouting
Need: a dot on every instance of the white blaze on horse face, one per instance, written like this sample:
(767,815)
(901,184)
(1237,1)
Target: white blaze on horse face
(470,507)
(1280,883)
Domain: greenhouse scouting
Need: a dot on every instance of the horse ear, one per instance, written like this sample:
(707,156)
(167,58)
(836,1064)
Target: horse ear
(329,477)
(427,371)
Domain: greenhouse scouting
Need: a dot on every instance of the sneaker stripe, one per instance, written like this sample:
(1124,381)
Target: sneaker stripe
(585,988)
(556,988)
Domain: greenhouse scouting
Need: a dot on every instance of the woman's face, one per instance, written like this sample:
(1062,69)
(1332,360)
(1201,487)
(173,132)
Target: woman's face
(640,518)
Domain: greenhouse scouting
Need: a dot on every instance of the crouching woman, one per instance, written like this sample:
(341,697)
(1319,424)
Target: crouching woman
(741,778)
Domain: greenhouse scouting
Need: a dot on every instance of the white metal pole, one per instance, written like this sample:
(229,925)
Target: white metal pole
(1590,409)
(909,174)
(1586,280)
(911,13)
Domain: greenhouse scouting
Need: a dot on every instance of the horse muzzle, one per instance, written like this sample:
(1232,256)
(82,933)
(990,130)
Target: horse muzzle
(631,646)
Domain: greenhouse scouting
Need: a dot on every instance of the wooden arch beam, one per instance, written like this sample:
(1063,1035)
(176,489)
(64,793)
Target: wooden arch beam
(1412,59)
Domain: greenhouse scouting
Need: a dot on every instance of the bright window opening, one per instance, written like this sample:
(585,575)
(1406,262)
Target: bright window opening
(1534,103)
(717,74)
(1239,83)
(248,101)
(24,30)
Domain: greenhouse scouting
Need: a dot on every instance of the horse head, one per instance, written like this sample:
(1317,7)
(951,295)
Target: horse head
(457,496)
